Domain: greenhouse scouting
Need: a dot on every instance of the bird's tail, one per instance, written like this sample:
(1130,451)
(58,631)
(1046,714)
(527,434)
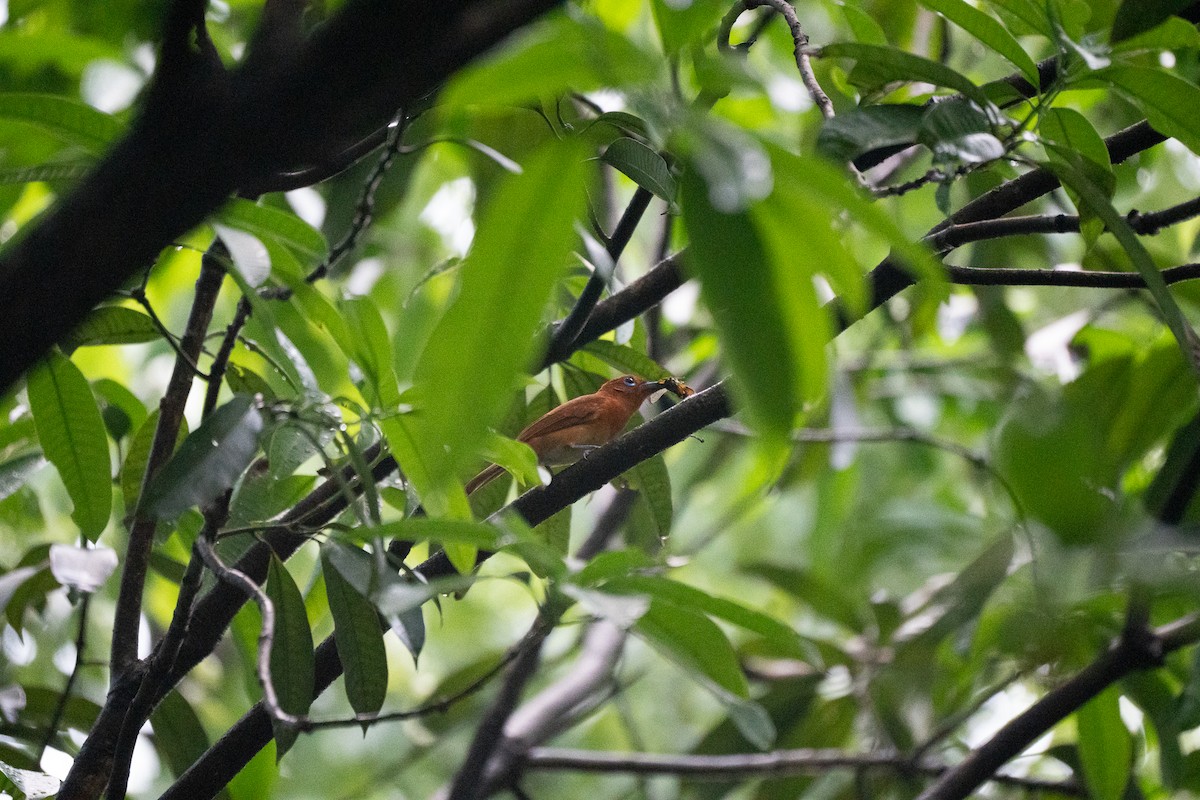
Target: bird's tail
(483,478)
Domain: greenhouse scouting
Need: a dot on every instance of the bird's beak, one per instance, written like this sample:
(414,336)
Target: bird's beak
(656,389)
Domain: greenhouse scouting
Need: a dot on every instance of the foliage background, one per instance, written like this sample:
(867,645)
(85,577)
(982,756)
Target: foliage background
(975,500)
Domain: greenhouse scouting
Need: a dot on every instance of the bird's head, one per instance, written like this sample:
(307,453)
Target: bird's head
(631,386)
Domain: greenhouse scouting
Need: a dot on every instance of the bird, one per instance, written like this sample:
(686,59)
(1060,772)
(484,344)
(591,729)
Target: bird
(566,433)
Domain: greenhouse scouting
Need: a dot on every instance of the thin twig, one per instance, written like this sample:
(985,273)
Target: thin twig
(139,295)
(774,764)
(61,706)
(221,361)
(803,63)
(364,211)
(1002,276)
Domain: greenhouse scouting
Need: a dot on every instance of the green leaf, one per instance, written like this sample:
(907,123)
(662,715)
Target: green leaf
(73,439)
(371,349)
(112,325)
(1074,134)
(746,298)
(48,173)
(861,130)
(696,644)
(484,340)
(682,24)
(564,54)
(70,120)
(15,472)
(1170,103)
(516,457)
(864,26)
(179,736)
(1075,177)
(877,66)
(121,409)
(653,482)
(987,30)
(682,595)
(134,469)
(626,359)
(958,132)
(1025,17)
(1105,746)
(292,662)
(356,630)
(442,531)
(1138,16)
(643,166)
(208,462)
(266,222)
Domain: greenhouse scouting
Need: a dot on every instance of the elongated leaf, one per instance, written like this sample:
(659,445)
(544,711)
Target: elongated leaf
(741,291)
(292,662)
(73,439)
(179,736)
(652,480)
(69,120)
(66,171)
(371,349)
(464,377)
(626,359)
(134,469)
(876,66)
(271,223)
(1105,746)
(643,166)
(565,54)
(695,643)
(957,131)
(1171,104)
(357,632)
(682,24)
(987,30)
(112,325)
(208,462)
(442,531)
(861,130)
(1094,196)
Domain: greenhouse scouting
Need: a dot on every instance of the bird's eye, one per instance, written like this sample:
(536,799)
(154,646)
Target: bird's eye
(630,381)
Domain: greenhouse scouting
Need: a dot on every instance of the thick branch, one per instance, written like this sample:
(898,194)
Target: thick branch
(202,135)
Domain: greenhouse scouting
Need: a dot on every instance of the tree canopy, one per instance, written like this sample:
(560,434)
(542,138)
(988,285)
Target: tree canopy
(279,277)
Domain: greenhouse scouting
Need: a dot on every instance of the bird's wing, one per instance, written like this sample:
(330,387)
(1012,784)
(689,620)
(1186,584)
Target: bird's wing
(568,415)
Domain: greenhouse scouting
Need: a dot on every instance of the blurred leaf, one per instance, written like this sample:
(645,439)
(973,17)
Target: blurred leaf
(643,166)
(876,66)
(442,531)
(69,120)
(268,222)
(862,130)
(208,462)
(85,569)
(49,173)
(112,325)
(371,349)
(121,409)
(987,30)
(292,662)
(1105,746)
(562,55)
(653,483)
(681,24)
(1137,16)
(15,472)
(464,377)
(516,457)
(73,439)
(752,307)
(356,629)
(864,26)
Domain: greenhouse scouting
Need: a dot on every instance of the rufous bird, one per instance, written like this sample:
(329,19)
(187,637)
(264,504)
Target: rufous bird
(564,434)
